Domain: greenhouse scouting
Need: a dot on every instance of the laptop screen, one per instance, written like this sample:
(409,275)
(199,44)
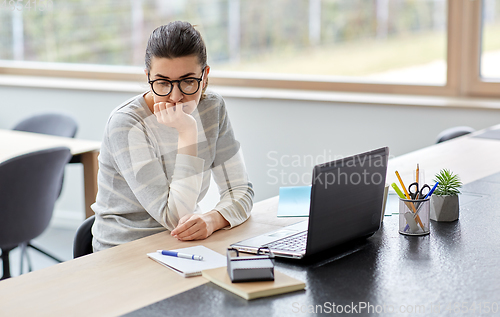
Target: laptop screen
(346,199)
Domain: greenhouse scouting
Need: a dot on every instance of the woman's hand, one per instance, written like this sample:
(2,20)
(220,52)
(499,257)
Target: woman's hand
(199,226)
(178,116)
(174,115)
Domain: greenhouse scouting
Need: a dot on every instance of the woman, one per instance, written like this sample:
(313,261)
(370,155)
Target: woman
(161,147)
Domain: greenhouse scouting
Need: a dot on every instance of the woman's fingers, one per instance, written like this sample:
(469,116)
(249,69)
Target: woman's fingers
(174,116)
(161,113)
(191,229)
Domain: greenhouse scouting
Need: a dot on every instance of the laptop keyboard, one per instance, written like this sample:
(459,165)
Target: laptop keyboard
(295,243)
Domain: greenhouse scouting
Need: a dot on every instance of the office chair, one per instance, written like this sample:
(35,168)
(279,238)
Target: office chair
(52,124)
(452,133)
(49,123)
(56,124)
(82,245)
(29,185)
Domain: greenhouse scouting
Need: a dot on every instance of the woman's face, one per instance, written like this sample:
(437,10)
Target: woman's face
(177,69)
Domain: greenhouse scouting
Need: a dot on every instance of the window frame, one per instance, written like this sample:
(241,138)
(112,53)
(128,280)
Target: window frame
(463,74)
(473,84)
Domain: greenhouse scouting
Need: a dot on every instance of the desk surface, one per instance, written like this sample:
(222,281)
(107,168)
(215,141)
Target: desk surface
(471,157)
(15,143)
(384,275)
(123,279)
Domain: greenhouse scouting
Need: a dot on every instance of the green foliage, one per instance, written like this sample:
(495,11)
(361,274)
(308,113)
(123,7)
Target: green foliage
(115,32)
(449,183)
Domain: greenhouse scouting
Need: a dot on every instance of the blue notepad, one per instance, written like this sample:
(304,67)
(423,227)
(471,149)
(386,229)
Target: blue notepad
(294,201)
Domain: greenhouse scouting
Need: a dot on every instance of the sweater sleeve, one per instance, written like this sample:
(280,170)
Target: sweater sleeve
(166,198)
(229,171)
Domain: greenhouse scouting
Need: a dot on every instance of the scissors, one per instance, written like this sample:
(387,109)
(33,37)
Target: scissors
(416,193)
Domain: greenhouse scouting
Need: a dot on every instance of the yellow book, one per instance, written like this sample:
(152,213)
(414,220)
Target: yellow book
(251,290)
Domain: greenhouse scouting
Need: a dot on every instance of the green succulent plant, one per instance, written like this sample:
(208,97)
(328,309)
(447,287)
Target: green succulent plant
(449,183)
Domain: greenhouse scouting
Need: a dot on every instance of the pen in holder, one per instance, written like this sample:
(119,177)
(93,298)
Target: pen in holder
(414,216)
(250,268)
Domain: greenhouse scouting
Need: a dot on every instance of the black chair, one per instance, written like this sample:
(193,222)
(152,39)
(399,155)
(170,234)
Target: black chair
(29,185)
(82,245)
(49,123)
(452,133)
(57,124)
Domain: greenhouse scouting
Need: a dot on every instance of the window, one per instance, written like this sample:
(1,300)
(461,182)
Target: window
(480,46)
(386,46)
(490,46)
(397,41)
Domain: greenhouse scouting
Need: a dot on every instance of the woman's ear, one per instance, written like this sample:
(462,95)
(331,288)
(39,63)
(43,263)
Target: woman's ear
(146,72)
(205,77)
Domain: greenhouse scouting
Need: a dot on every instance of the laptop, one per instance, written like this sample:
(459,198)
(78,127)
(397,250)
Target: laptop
(346,204)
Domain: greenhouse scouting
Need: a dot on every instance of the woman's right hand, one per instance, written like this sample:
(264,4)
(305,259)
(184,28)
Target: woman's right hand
(174,116)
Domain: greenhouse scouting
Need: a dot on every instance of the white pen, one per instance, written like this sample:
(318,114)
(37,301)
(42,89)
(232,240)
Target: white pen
(181,255)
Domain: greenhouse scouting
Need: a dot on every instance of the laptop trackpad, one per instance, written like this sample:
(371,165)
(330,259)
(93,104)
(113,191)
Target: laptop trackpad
(282,233)
(265,239)
(273,236)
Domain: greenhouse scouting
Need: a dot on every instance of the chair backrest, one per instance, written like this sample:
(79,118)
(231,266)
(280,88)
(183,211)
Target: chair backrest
(57,124)
(82,245)
(49,123)
(454,132)
(29,186)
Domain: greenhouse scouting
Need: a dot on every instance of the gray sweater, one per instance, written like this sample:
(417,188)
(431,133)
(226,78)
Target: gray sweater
(145,187)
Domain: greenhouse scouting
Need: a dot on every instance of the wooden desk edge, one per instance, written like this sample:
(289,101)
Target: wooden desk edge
(90,168)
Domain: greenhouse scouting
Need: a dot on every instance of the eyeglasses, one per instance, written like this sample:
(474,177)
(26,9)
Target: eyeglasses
(188,86)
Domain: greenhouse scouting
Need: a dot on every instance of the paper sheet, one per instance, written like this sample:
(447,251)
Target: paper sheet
(188,267)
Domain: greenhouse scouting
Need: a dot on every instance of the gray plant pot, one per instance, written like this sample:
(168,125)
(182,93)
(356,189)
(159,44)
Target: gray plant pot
(444,208)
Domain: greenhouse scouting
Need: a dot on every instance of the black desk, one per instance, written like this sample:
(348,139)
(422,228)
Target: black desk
(441,274)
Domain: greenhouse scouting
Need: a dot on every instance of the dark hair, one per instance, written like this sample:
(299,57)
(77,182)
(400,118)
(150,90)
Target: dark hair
(176,39)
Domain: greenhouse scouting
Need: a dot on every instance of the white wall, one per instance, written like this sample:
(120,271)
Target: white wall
(295,133)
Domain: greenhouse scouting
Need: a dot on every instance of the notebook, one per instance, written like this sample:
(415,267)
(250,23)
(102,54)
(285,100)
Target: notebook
(187,267)
(250,290)
(294,201)
(346,204)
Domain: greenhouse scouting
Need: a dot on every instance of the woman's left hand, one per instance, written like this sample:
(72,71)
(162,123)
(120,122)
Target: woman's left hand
(199,226)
